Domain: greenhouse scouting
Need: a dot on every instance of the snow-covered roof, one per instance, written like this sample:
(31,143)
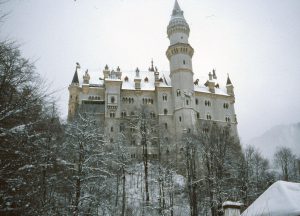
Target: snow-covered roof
(94,77)
(144,76)
(280,199)
(128,84)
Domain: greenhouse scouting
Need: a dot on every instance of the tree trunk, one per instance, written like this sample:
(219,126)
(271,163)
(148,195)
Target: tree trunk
(124,192)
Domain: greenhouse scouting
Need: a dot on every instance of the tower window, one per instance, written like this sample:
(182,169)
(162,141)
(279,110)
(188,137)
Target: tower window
(196,101)
(178,92)
(165,97)
(207,103)
(165,111)
(152,115)
(198,115)
(208,117)
(123,114)
(122,127)
(180,118)
(225,105)
(187,102)
(112,99)
(111,129)
(227,119)
(184,62)
(112,114)
(166,126)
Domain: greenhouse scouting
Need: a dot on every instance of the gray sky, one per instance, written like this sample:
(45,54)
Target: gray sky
(257,42)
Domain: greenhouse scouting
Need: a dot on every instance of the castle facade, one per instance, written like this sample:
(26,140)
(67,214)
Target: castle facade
(177,101)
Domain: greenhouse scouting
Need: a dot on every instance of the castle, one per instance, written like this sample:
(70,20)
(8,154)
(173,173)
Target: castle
(176,100)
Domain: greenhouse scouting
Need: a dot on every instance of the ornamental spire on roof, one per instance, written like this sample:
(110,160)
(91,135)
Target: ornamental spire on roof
(228,80)
(75,79)
(177,12)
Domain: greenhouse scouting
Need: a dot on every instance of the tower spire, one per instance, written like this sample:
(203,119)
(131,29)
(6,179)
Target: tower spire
(177,12)
(75,79)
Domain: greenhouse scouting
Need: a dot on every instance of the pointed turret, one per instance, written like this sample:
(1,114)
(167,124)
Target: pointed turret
(177,12)
(75,79)
(229,86)
(228,81)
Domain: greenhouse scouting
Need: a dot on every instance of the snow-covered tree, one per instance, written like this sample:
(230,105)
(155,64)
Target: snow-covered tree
(93,165)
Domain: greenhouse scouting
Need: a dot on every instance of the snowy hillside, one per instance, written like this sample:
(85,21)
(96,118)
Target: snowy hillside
(282,135)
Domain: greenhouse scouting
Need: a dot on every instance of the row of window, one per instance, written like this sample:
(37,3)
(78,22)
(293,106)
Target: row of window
(152,115)
(94,97)
(147,101)
(127,100)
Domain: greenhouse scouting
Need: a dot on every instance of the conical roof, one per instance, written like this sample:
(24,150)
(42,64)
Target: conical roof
(228,81)
(177,12)
(75,78)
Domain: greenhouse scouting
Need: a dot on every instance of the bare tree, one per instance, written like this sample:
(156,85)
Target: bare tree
(286,161)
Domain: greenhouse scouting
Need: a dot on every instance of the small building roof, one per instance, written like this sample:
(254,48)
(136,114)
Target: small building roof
(280,199)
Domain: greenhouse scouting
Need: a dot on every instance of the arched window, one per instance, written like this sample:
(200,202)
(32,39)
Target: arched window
(184,62)
(208,116)
(111,129)
(166,126)
(165,111)
(112,99)
(196,101)
(165,97)
(112,114)
(178,92)
(187,102)
(180,118)
(198,115)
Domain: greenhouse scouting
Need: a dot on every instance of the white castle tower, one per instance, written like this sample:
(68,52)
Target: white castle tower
(180,55)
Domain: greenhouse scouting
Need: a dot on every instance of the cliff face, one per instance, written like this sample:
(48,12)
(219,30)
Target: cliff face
(282,135)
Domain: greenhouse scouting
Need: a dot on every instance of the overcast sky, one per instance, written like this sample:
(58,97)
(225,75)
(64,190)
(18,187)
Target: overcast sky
(257,42)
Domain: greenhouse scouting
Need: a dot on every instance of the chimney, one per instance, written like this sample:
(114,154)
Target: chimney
(232,208)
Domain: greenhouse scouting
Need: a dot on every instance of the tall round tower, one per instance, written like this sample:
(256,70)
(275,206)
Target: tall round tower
(180,55)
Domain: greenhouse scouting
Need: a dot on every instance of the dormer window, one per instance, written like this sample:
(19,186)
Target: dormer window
(146,79)
(126,79)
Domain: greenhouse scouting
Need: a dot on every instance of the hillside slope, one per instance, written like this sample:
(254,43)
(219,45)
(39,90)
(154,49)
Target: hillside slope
(281,135)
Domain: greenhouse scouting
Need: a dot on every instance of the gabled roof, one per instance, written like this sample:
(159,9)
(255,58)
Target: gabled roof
(280,199)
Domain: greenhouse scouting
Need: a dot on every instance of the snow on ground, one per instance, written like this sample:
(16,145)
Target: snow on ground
(135,188)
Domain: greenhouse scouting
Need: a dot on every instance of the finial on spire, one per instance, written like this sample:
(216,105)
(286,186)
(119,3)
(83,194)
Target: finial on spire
(75,79)
(214,74)
(137,72)
(152,67)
